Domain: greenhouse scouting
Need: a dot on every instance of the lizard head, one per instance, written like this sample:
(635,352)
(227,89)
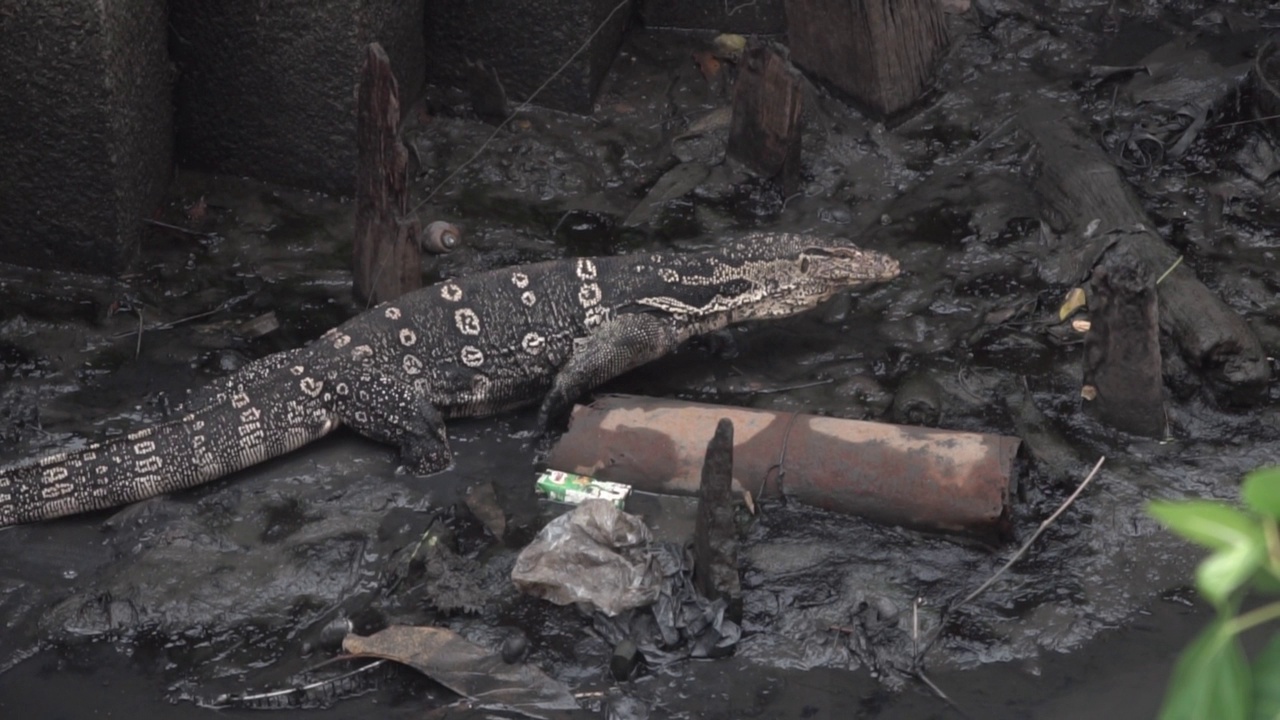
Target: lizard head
(802,277)
(764,276)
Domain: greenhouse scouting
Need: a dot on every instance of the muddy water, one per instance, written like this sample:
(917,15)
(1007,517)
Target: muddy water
(230,588)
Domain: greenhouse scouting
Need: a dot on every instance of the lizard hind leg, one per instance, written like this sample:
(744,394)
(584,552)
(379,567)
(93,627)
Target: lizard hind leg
(387,409)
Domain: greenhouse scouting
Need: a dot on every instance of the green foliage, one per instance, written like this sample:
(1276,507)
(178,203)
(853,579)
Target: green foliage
(1213,679)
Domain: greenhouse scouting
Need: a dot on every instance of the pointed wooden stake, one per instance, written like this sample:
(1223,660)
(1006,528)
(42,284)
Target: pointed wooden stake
(765,130)
(388,261)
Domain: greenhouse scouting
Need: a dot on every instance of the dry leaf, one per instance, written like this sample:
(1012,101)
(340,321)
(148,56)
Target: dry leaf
(707,63)
(1074,301)
(730,46)
(466,669)
(196,212)
(718,119)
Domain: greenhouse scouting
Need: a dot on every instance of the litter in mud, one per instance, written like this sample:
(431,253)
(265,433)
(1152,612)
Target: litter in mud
(995,213)
(594,554)
(467,669)
(574,489)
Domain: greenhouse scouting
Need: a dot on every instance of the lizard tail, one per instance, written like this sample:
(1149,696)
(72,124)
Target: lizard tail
(231,431)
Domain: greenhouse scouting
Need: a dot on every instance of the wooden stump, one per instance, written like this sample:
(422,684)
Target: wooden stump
(1122,369)
(882,52)
(765,130)
(387,260)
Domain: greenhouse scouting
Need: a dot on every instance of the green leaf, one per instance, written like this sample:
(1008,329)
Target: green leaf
(1266,689)
(1236,537)
(1211,680)
(1222,572)
(1215,525)
(1266,583)
(1262,491)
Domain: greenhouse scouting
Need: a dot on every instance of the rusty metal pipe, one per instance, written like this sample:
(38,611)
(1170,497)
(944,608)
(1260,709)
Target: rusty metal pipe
(897,474)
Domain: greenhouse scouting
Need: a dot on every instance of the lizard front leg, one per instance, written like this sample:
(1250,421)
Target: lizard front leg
(616,346)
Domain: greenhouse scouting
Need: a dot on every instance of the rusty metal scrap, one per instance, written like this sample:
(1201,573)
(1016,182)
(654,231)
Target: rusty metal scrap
(898,474)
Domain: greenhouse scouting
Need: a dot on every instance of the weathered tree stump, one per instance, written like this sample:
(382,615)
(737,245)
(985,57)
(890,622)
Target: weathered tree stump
(765,130)
(715,538)
(388,261)
(882,52)
(1082,190)
(1122,377)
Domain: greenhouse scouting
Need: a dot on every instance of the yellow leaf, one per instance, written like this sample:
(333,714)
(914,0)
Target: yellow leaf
(1073,302)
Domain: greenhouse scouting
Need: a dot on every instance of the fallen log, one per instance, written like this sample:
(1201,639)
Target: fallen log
(920,477)
(1084,199)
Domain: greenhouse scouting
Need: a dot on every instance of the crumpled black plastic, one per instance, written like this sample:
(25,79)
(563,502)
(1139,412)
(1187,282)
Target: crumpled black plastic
(681,623)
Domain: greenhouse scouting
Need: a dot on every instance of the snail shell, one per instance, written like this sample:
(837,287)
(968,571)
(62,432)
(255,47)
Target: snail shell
(441,237)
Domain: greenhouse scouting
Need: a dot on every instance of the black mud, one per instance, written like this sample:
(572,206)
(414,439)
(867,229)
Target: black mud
(235,586)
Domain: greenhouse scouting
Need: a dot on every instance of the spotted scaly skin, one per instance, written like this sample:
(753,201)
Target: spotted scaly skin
(467,347)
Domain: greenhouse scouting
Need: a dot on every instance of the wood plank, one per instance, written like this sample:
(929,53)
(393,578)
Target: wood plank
(765,130)
(881,52)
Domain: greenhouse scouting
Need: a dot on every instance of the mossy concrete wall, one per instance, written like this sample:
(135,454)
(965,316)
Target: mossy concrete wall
(85,129)
(268,89)
(526,41)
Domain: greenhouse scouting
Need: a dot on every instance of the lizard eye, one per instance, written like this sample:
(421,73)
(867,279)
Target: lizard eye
(804,266)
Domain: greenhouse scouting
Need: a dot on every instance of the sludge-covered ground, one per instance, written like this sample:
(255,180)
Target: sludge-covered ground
(233,587)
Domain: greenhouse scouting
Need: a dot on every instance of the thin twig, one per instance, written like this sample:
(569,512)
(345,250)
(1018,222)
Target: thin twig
(229,700)
(937,690)
(137,351)
(168,325)
(1040,530)
(1172,267)
(915,626)
(789,388)
(1246,122)
(920,650)
(782,458)
(984,141)
(730,12)
(175,228)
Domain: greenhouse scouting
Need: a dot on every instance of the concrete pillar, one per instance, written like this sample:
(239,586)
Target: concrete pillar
(268,89)
(525,41)
(85,130)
